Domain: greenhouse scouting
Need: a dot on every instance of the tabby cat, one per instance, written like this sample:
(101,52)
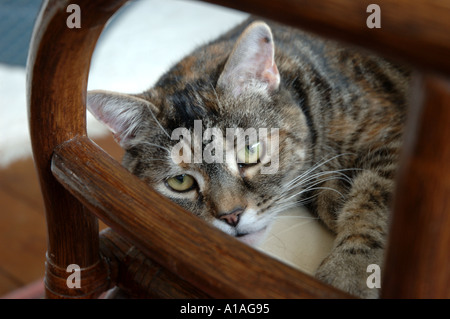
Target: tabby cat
(339,113)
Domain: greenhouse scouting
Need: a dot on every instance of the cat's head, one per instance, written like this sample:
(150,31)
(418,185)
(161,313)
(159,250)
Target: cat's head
(225,143)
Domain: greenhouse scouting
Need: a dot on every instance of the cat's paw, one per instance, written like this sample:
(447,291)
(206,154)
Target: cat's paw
(347,270)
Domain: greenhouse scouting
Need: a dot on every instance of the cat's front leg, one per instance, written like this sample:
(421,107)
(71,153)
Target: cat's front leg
(346,268)
(361,227)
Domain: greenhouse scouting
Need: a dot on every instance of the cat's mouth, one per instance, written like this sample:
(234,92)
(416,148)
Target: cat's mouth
(242,235)
(252,238)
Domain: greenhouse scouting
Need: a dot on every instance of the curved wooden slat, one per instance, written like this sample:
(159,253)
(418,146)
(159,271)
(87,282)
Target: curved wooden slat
(58,67)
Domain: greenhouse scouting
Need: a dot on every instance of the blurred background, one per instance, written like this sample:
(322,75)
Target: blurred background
(142,41)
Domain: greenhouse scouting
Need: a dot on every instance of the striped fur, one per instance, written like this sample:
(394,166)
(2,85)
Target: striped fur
(340,114)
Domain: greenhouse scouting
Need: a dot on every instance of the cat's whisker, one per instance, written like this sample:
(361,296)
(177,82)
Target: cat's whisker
(298,217)
(313,188)
(316,181)
(158,146)
(156,159)
(327,188)
(316,175)
(318,165)
(306,200)
(311,182)
(284,205)
(157,122)
(217,97)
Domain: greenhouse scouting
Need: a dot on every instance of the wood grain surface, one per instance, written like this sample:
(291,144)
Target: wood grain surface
(418,259)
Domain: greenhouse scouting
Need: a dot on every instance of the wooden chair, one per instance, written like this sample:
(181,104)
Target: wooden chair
(155,248)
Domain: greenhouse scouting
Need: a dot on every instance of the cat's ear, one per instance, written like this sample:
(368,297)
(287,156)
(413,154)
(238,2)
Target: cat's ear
(251,63)
(123,114)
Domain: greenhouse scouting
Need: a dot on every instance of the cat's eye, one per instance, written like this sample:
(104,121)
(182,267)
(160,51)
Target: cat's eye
(250,154)
(181,183)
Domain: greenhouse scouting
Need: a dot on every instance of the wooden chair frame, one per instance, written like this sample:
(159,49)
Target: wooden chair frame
(183,256)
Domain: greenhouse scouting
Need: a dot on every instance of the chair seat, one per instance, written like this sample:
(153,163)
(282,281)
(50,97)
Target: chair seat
(298,239)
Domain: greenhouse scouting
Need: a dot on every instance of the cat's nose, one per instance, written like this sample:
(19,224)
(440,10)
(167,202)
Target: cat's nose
(232,217)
